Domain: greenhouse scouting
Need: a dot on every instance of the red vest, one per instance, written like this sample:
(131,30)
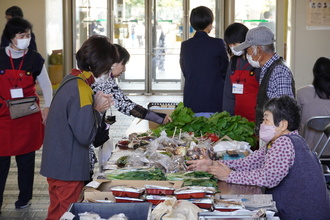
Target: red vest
(245,103)
(21,135)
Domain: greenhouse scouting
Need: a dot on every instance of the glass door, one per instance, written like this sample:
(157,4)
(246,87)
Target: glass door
(252,15)
(166,22)
(170,27)
(90,19)
(211,4)
(264,13)
(129,32)
(151,31)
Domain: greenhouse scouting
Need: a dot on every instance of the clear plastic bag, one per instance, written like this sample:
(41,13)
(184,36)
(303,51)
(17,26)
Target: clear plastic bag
(158,159)
(120,216)
(172,209)
(176,165)
(162,143)
(137,159)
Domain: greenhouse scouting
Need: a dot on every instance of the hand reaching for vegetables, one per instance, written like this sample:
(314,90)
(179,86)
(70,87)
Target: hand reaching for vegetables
(219,170)
(200,165)
(167,119)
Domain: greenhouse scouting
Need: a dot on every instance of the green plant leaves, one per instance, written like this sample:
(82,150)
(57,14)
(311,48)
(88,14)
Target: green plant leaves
(236,127)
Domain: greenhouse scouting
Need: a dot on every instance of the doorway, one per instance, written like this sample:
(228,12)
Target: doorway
(152,32)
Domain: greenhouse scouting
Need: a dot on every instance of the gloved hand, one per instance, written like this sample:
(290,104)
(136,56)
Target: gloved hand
(155,117)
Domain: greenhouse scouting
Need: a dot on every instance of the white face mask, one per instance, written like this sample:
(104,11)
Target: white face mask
(23,44)
(253,63)
(267,132)
(237,53)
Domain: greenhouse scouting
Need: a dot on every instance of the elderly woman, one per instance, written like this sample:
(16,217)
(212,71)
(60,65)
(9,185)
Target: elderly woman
(285,166)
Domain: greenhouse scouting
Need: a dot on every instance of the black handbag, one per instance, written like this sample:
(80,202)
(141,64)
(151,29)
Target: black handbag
(102,133)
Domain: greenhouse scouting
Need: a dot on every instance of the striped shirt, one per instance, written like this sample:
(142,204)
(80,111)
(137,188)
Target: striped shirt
(280,81)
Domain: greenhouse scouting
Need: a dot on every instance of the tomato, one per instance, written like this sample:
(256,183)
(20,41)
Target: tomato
(211,136)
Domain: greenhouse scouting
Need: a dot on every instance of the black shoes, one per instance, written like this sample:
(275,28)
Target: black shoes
(22,205)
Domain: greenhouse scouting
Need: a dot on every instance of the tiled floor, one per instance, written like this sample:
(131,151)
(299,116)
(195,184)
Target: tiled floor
(40,200)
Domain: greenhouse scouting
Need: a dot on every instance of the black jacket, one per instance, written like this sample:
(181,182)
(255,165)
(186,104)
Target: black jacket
(203,61)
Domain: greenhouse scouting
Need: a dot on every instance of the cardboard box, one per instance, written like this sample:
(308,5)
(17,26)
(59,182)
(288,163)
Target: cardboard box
(103,192)
(160,107)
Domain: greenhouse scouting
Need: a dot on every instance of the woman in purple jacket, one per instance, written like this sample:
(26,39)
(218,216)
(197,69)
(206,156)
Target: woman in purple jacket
(285,166)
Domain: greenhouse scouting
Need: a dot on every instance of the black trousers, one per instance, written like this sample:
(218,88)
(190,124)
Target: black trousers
(25,167)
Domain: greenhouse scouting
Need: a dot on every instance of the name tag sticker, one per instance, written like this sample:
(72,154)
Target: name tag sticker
(16,93)
(238,88)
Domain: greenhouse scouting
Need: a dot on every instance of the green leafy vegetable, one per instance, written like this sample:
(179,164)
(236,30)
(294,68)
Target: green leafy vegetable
(152,174)
(221,124)
(195,178)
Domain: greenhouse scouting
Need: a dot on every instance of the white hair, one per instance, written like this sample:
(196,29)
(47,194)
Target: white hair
(265,48)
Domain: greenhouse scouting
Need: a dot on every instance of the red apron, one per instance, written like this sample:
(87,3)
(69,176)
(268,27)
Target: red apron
(21,135)
(245,103)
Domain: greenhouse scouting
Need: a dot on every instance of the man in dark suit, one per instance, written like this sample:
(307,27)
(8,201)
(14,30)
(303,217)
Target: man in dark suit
(203,61)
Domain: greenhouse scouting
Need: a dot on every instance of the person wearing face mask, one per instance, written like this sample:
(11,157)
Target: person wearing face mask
(74,116)
(242,80)
(20,69)
(276,79)
(108,85)
(285,166)
(204,62)
(12,12)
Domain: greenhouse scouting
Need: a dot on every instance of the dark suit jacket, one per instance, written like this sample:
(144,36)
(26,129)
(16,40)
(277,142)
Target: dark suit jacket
(203,61)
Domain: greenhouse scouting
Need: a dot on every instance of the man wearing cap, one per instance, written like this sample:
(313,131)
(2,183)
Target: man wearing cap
(276,78)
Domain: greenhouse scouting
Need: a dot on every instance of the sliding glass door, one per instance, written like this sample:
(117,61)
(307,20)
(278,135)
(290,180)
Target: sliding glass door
(152,32)
(252,15)
(129,30)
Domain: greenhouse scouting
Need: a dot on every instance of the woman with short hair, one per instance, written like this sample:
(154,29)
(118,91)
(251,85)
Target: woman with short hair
(124,104)
(285,166)
(74,116)
(204,62)
(242,79)
(20,70)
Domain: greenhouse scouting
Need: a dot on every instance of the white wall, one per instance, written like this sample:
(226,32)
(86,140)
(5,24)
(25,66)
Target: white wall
(34,11)
(306,45)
